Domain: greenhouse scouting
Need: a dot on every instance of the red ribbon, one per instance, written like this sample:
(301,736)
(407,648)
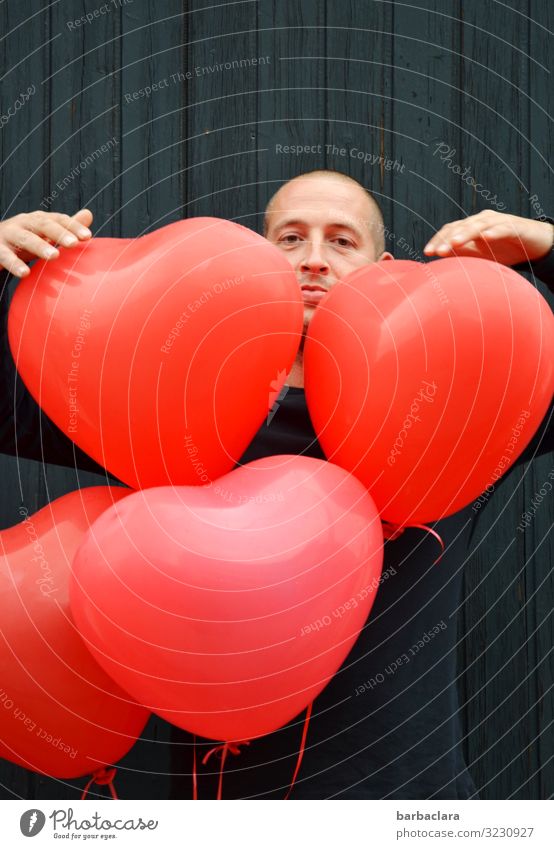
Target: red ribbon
(234,749)
(222,750)
(437,537)
(302,747)
(102,776)
(391,531)
(194,779)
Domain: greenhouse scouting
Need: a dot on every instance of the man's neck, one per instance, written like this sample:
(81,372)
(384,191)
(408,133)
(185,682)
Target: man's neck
(295,376)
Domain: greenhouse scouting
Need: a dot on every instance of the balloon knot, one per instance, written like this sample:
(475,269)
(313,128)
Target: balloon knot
(105,775)
(391,531)
(233,748)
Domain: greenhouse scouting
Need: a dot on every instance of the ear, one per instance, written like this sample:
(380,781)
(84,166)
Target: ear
(385,255)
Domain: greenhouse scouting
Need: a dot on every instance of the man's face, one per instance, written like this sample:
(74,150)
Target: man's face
(322,225)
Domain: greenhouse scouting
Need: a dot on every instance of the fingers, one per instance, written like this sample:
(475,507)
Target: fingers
(35,234)
(458,234)
(12,263)
(30,243)
(58,231)
(68,230)
(84,216)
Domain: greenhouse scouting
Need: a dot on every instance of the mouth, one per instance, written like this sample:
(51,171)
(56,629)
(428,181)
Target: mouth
(312,294)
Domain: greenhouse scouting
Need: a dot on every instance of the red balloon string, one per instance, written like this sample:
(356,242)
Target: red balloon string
(102,776)
(391,531)
(194,776)
(234,749)
(222,750)
(302,747)
(437,537)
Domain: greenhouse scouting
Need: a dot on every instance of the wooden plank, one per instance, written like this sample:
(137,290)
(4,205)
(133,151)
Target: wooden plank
(221,61)
(24,45)
(82,157)
(217,84)
(426,95)
(151,102)
(495,122)
(426,101)
(292,98)
(22,184)
(62,166)
(359,74)
(152,150)
(539,584)
(83,152)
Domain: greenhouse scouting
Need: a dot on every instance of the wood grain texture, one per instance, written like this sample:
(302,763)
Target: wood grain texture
(151,101)
(400,82)
(540,537)
(501,702)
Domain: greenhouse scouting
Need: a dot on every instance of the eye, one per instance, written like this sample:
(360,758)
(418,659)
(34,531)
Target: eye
(290,239)
(343,242)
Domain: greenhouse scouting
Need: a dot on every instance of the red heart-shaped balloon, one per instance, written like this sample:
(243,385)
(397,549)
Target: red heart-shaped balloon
(227,608)
(60,714)
(160,356)
(427,381)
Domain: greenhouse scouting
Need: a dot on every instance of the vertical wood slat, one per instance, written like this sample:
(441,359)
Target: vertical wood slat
(494,118)
(218,91)
(85,133)
(79,174)
(222,62)
(18,140)
(292,97)
(426,98)
(539,537)
(151,103)
(23,141)
(23,177)
(358,51)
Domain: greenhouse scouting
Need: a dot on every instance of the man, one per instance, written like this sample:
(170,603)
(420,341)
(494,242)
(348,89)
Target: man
(387,726)
(328,225)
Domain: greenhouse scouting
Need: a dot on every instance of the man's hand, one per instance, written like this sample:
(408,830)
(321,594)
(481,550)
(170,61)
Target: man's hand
(507,239)
(34,235)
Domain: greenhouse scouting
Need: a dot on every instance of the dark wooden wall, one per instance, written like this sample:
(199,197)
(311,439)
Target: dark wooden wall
(391,79)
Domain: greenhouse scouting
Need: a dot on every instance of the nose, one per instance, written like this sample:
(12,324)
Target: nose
(313,261)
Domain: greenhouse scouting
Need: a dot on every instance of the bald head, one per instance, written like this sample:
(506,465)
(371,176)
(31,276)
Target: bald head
(325,183)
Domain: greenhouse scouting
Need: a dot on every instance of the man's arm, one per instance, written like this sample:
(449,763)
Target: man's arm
(525,244)
(25,431)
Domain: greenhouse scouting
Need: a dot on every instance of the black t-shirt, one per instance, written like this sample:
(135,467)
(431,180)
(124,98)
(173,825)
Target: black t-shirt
(387,725)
